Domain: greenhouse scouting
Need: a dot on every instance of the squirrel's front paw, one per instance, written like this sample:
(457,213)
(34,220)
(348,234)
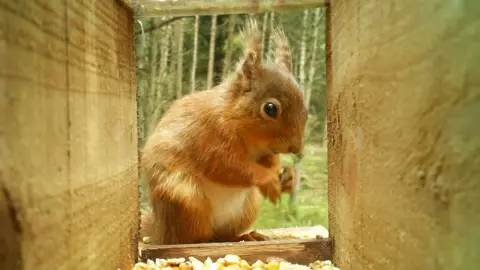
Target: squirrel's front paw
(287,179)
(271,191)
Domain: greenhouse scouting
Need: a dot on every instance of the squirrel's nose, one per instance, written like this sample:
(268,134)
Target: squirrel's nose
(296,146)
(294,149)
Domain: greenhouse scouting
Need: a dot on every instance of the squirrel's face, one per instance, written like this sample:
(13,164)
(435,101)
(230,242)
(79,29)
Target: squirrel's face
(278,115)
(266,101)
(271,111)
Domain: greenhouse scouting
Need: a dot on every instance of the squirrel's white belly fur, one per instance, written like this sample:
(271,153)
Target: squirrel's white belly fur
(227,202)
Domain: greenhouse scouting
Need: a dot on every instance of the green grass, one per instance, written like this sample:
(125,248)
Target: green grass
(311,206)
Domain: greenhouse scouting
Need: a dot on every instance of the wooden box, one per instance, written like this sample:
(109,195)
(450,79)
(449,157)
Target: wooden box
(68,137)
(404,134)
(404,137)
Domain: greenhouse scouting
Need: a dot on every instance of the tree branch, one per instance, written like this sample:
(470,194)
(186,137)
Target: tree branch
(158,25)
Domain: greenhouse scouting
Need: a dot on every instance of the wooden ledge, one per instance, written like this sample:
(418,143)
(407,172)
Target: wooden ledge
(310,232)
(149,8)
(301,251)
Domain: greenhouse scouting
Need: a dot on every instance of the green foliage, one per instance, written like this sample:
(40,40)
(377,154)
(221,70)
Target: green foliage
(314,129)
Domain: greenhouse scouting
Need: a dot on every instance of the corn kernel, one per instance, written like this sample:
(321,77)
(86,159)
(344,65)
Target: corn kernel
(232,259)
(229,262)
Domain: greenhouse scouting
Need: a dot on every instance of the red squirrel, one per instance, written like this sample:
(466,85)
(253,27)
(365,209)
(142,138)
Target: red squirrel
(215,153)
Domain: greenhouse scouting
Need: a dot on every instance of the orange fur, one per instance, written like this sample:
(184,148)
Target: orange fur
(215,152)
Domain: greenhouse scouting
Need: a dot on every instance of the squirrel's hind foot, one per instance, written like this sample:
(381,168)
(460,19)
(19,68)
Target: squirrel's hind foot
(248,237)
(252,236)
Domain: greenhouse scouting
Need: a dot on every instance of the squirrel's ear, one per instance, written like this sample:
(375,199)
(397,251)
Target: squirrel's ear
(253,49)
(283,56)
(250,64)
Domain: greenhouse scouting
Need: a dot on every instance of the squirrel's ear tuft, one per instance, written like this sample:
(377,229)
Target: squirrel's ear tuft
(283,56)
(249,64)
(252,49)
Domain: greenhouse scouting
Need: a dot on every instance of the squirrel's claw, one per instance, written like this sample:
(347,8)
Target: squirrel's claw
(271,191)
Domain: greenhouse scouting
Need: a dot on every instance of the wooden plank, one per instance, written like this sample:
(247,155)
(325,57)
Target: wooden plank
(151,8)
(302,251)
(404,142)
(311,232)
(68,176)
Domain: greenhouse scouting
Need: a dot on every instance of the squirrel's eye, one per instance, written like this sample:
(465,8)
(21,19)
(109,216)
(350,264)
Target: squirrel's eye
(270,109)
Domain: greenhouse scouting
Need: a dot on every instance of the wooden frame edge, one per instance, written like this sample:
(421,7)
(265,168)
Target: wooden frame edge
(301,251)
(146,8)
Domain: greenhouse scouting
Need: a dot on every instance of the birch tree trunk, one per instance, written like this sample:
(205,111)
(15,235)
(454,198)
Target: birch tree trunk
(164,54)
(171,66)
(162,75)
(179,32)
(194,57)
(228,55)
(211,55)
(150,98)
(303,47)
(162,68)
(316,27)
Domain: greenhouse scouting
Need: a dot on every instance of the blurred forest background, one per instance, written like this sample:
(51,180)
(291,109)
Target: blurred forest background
(178,55)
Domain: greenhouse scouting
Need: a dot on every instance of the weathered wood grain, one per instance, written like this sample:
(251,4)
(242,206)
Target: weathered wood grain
(149,8)
(302,251)
(69,187)
(404,134)
(311,232)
